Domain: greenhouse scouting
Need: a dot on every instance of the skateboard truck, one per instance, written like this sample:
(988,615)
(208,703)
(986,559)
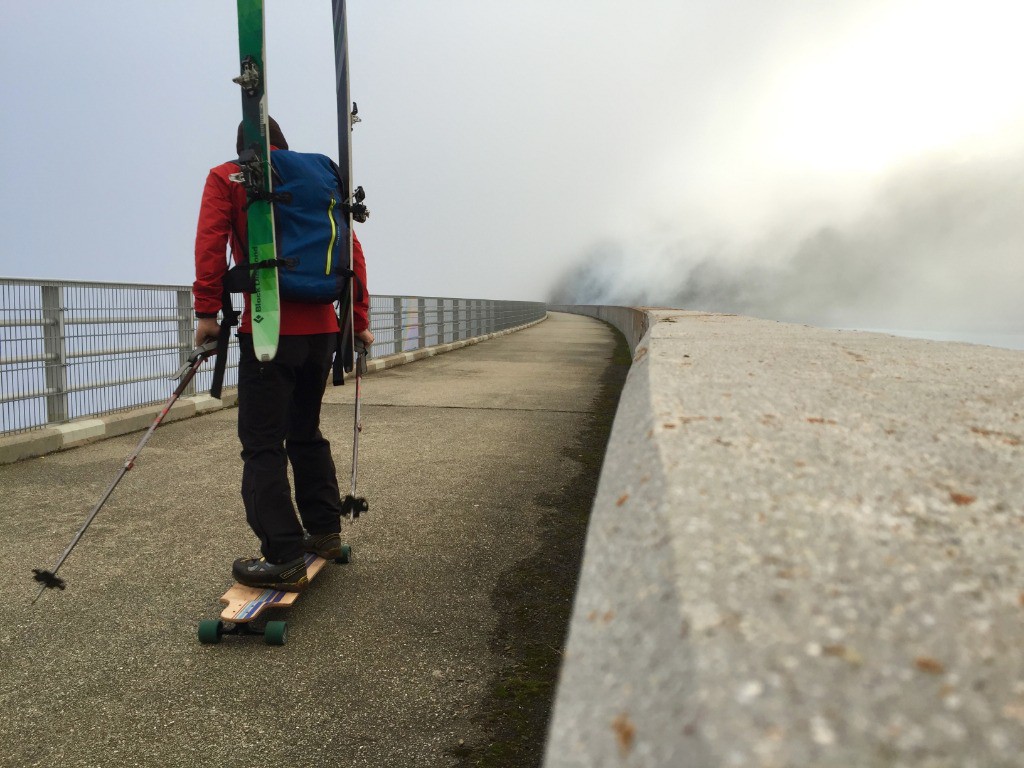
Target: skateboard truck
(212,630)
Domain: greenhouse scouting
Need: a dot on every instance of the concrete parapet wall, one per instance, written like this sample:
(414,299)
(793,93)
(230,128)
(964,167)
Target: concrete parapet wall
(806,550)
(39,442)
(630,321)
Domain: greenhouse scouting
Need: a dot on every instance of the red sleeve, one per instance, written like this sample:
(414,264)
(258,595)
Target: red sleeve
(361,305)
(212,235)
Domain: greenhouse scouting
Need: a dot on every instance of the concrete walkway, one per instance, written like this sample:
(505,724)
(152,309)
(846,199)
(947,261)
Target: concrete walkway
(391,661)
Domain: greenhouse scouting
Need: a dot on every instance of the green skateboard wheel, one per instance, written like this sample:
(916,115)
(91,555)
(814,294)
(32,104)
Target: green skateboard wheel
(210,631)
(345,556)
(276,633)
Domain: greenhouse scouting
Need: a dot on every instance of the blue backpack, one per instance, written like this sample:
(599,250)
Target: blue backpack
(309,227)
(309,230)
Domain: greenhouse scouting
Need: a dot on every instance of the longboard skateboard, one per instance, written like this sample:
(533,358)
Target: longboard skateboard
(243,605)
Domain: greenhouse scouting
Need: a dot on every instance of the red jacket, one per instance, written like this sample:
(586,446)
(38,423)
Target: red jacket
(222,219)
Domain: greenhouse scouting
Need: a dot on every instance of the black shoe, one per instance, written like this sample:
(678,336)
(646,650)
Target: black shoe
(257,572)
(326,545)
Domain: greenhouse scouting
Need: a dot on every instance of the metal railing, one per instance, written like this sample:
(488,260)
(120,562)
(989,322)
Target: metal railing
(75,349)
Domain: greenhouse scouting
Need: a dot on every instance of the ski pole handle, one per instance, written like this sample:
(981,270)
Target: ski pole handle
(197,355)
(203,350)
(362,352)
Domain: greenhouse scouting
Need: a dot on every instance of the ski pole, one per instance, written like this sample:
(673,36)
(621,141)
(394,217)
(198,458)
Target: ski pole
(50,579)
(353,505)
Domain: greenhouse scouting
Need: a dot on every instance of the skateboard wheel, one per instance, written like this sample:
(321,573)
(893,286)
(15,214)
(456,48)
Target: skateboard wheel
(210,631)
(345,556)
(276,633)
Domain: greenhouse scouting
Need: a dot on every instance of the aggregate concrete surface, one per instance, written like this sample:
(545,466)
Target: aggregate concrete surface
(809,555)
(388,658)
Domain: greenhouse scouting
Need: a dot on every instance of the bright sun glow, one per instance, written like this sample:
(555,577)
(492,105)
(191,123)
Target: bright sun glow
(927,76)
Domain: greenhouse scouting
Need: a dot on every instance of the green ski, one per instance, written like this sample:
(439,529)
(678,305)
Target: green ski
(265,306)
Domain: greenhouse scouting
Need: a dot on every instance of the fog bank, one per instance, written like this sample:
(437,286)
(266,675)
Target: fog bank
(938,245)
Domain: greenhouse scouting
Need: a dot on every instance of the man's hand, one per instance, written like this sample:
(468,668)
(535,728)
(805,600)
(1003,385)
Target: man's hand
(365,336)
(207,329)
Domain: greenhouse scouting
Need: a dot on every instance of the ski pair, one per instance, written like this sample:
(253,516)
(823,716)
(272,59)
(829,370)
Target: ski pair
(258,176)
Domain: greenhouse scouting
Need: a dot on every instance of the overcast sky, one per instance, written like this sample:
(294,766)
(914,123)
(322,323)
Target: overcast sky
(513,149)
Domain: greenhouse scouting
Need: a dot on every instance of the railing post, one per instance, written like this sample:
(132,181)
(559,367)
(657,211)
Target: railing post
(397,307)
(437,320)
(436,335)
(56,354)
(421,320)
(186,332)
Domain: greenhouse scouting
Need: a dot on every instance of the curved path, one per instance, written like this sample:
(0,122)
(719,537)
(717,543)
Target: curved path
(432,648)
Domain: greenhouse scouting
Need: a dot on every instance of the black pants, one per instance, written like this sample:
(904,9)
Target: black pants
(279,421)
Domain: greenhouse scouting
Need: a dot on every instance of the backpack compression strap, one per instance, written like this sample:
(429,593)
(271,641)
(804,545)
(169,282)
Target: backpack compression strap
(229,321)
(343,352)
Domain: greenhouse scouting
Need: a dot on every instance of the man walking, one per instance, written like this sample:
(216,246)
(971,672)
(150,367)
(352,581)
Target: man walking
(278,401)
